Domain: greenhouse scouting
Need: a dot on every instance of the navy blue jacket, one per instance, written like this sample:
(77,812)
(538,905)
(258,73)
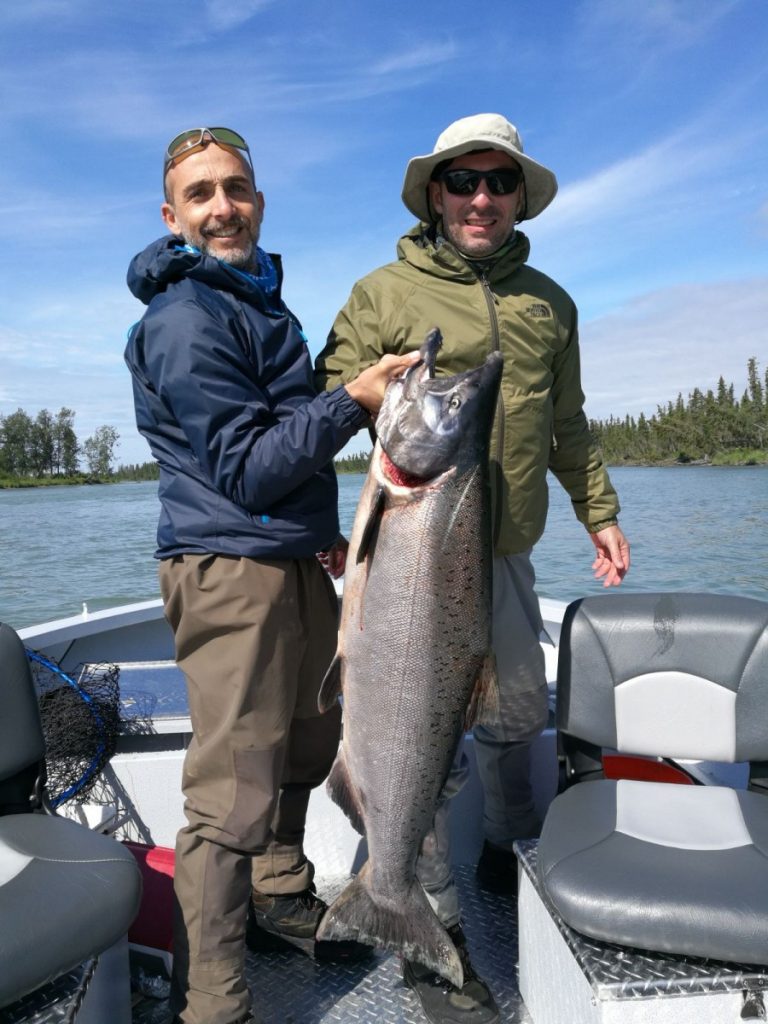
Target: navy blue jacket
(223,390)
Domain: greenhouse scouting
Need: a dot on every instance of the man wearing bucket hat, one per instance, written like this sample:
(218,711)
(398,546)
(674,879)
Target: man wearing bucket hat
(464,268)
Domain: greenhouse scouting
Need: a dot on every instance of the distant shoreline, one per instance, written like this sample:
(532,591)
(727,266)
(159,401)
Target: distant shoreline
(720,462)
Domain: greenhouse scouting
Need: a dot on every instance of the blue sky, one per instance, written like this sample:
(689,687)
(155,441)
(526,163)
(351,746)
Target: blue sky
(652,115)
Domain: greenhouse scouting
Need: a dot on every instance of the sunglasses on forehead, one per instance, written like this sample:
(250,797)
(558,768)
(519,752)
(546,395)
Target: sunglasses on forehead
(501,182)
(198,138)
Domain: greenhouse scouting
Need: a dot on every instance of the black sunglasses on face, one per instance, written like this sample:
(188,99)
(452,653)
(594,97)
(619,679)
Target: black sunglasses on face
(501,182)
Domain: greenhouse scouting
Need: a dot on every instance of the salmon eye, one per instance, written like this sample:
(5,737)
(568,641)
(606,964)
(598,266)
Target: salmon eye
(454,404)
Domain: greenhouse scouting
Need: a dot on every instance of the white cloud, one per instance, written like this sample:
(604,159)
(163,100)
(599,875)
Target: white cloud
(673,340)
(119,92)
(414,59)
(33,12)
(69,352)
(673,173)
(664,24)
(226,14)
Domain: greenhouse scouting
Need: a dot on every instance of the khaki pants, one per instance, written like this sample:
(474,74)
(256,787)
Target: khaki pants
(503,751)
(254,639)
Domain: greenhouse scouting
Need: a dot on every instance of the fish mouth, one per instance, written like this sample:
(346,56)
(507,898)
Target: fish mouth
(400,478)
(424,369)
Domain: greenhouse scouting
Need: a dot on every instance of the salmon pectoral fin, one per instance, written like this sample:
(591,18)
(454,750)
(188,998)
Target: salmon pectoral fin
(371,525)
(344,794)
(483,707)
(406,925)
(330,688)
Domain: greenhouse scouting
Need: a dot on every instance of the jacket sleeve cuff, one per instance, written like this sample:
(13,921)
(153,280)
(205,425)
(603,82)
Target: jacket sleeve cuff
(597,527)
(349,408)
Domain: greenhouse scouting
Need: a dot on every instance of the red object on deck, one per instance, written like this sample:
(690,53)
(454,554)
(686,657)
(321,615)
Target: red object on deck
(153,926)
(644,769)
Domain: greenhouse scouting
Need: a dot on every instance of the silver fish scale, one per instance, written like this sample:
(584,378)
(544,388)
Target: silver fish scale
(622,972)
(410,664)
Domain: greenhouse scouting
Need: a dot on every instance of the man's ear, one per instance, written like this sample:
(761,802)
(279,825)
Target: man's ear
(168,214)
(522,204)
(435,197)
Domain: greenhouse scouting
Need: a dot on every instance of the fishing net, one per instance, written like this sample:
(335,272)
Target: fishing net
(80,714)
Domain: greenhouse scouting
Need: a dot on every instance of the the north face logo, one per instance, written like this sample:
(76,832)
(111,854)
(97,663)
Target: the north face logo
(539,311)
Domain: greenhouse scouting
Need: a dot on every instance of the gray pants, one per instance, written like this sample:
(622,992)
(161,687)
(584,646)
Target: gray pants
(503,751)
(253,639)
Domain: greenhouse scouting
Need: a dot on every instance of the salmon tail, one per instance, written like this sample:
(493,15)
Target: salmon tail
(407,925)
(483,708)
(344,794)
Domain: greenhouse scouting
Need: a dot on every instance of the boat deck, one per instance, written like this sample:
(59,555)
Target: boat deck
(289,987)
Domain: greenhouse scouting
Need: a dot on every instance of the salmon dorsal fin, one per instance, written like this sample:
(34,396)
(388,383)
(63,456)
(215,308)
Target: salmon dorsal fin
(371,525)
(483,707)
(330,688)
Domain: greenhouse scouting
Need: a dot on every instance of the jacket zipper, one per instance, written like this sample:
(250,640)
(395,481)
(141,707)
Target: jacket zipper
(490,302)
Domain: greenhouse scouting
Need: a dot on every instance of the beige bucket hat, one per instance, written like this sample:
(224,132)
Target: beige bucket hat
(481,131)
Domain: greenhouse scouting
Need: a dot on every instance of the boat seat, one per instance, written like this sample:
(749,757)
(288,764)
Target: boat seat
(66,894)
(679,869)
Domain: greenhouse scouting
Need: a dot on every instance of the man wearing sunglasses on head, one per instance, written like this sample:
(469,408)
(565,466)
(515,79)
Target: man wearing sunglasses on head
(463,268)
(224,394)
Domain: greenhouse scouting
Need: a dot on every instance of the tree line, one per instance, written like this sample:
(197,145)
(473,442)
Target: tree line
(353,463)
(46,446)
(707,425)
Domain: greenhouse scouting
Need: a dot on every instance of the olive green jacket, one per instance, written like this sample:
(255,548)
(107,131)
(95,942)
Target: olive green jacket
(540,422)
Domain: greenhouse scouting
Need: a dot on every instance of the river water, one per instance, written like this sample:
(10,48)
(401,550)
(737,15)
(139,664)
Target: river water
(691,528)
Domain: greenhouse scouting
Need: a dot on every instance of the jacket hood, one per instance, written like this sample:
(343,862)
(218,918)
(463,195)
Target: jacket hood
(169,259)
(425,248)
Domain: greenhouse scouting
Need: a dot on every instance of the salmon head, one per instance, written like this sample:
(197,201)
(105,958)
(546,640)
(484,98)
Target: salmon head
(428,425)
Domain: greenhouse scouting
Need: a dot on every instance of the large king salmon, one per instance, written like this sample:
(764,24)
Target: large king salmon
(414,644)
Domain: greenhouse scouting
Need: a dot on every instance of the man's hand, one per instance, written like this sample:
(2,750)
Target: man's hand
(369,387)
(334,558)
(612,559)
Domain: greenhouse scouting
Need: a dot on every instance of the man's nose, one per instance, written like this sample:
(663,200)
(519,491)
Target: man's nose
(222,205)
(482,195)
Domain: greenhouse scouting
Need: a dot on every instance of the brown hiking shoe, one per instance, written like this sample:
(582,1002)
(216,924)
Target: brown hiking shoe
(293,916)
(276,921)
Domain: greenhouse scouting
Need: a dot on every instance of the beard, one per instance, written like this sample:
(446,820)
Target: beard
(473,247)
(243,258)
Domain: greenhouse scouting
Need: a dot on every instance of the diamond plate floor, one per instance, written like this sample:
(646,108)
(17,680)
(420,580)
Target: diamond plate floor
(291,988)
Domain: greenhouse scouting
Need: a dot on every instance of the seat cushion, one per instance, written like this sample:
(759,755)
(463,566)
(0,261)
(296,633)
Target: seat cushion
(676,869)
(66,894)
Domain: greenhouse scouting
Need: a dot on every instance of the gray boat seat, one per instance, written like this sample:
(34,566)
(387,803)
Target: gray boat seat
(66,894)
(659,866)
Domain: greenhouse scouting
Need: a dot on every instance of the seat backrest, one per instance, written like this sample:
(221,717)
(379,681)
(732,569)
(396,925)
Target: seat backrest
(669,674)
(22,748)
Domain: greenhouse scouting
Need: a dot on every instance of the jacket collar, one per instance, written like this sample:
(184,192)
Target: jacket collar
(169,259)
(424,247)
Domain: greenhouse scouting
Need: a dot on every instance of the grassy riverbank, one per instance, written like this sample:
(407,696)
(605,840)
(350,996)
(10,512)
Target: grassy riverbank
(742,457)
(736,457)
(15,482)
